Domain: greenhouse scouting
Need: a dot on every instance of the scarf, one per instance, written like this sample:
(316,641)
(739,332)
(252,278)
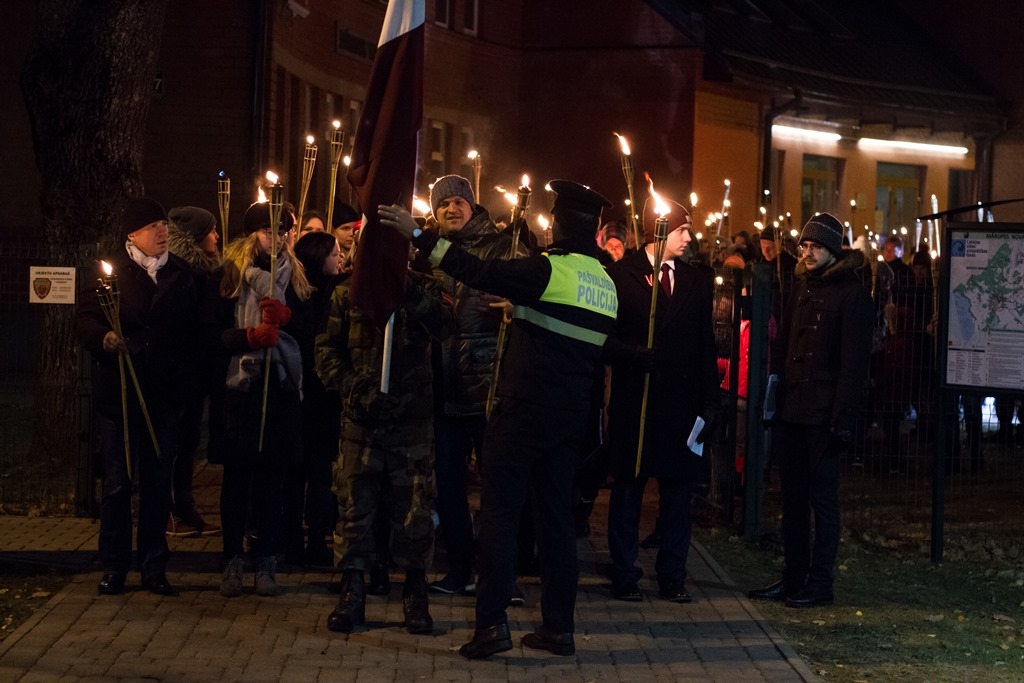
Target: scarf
(151,264)
(246,369)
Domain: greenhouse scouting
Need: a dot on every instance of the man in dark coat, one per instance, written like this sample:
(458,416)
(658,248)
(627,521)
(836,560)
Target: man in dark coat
(683,387)
(565,306)
(463,367)
(158,306)
(823,376)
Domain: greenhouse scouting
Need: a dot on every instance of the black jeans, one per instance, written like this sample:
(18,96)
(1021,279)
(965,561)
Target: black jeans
(454,441)
(809,472)
(674,522)
(153,475)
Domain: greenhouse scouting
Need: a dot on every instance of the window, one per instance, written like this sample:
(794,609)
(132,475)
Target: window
(898,195)
(442,10)
(469,24)
(820,186)
(438,145)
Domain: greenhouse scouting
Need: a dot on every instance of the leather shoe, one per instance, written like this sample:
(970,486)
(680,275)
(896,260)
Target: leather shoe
(112,583)
(157,584)
(487,641)
(561,644)
(776,592)
(675,593)
(629,592)
(812,596)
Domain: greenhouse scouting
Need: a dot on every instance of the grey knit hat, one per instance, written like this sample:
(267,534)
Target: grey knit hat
(450,186)
(196,221)
(826,230)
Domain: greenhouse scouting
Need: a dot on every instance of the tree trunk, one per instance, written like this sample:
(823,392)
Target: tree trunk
(86,81)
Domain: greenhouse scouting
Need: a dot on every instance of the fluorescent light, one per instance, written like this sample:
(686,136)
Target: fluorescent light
(915,146)
(806,134)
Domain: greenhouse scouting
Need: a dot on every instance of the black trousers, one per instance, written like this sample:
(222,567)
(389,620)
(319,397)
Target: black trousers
(529,451)
(809,472)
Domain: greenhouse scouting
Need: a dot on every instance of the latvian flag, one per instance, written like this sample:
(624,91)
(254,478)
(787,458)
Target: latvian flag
(383,167)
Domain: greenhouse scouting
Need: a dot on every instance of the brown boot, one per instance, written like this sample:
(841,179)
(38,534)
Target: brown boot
(351,609)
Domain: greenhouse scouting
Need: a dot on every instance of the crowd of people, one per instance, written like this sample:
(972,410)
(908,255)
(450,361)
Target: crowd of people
(609,376)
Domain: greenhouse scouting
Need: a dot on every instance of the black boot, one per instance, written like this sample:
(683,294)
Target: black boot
(351,609)
(414,603)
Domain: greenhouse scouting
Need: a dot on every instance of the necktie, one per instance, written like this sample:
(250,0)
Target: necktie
(666,279)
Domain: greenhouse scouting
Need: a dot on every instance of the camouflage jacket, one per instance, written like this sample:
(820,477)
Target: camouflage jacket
(349,351)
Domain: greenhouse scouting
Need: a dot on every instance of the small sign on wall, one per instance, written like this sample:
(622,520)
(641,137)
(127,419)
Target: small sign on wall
(51,285)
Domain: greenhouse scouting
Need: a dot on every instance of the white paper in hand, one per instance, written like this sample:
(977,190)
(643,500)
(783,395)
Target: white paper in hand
(691,441)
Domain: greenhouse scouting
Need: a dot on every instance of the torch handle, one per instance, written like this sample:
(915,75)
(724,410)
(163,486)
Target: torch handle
(124,418)
(650,343)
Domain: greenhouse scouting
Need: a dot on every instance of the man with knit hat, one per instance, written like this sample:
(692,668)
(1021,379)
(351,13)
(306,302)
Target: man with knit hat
(822,360)
(565,306)
(192,236)
(463,368)
(158,303)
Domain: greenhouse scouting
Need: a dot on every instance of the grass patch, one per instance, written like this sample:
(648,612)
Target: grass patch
(23,590)
(897,616)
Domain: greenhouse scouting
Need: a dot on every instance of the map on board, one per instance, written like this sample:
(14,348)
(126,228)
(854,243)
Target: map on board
(985,340)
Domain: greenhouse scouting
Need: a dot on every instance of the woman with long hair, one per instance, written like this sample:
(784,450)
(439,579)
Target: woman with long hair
(247,317)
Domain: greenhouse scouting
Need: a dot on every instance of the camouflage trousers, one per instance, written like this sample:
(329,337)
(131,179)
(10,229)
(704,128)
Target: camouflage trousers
(399,454)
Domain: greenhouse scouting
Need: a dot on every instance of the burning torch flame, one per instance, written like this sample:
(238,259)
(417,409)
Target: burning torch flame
(336,123)
(272,177)
(346,160)
(261,196)
(309,139)
(108,269)
(473,154)
(624,143)
(661,207)
(544,222)
(420,205)
(526,181)
(693,199)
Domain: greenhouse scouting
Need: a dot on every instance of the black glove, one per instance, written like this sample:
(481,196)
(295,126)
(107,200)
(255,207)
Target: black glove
(710,422)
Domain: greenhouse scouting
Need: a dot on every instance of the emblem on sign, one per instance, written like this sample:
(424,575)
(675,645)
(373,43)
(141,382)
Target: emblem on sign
(42,285)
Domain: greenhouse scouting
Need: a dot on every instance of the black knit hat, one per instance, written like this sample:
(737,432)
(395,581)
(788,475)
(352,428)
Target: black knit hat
(257,217)
(196,221)
(826,230)
(768,234)
(343,213)
(140,212)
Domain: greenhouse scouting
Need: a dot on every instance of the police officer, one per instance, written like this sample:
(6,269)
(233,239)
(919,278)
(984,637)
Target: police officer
(565,306)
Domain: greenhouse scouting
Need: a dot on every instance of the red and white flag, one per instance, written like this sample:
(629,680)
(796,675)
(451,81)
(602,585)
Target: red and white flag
(383,169)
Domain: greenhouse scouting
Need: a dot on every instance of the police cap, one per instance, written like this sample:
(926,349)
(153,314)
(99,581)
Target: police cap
(572,195)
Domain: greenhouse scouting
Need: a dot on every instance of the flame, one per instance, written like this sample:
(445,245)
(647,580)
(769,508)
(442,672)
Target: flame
(108,269)
(309,139)
(727,183)
(473,154)
(623,143)
(700,236)
(420,205)
(544,222)
(693,199)
(661,207)
(346,160)
(511,197)
(261,196)
(526,181)
(500,188)
(336,123)
(272,177)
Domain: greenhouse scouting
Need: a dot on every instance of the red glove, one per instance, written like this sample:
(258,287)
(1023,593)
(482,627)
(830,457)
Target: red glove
(275,312)
(262,336)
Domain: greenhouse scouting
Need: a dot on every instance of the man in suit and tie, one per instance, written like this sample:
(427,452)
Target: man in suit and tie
(683,387)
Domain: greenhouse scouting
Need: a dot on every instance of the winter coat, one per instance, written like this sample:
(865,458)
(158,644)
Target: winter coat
(160,327)
(684,382)
(826,338)
(466,359)
(349,353)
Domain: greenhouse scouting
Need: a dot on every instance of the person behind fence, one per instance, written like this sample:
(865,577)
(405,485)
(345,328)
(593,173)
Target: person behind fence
(683,386)
(158,300)
(193,237)
(565,306)
(386,438)
(464,364)
(246,316)
(822,378)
